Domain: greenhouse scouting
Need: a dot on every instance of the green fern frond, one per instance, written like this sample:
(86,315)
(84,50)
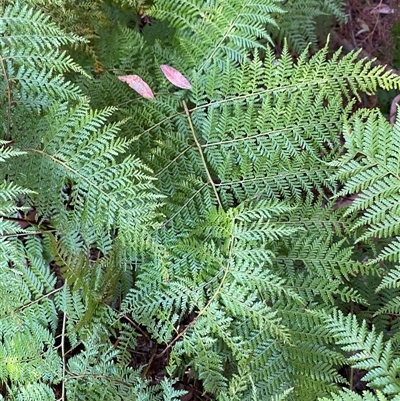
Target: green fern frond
(298,24)
(94,374)
(31,392)
(24,24)
(370,169)
(79,154)
(348,395)
(391,280)
(228,31)
(199,220)
(31,64)
(228,127)
(32,39)
(368,351)
(7,151)
(227,327)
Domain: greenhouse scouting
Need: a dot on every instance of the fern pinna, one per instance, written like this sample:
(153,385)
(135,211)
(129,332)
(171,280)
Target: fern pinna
(198,221)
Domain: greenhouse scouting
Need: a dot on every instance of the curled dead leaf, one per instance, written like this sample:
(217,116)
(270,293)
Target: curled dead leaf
(175,77)
(138,85)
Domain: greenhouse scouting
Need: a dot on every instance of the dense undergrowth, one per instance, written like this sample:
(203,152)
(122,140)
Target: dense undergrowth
(233,235)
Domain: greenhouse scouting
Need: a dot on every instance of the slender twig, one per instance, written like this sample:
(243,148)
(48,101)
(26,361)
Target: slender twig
(147,369)
(353,38)
(125,316)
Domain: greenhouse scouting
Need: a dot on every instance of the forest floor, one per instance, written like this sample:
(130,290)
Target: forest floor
(373,27)
(370,27)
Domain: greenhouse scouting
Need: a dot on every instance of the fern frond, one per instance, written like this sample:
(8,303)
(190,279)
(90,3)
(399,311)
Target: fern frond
(229,255)
(200,218)
(348,395)
(32,39)
(227,31)
(32,392)
(94,374)
(368,351)
(23,24)
(247,122)
(391,279)
(79,155)
(370,169)
(31,64)
(298,24)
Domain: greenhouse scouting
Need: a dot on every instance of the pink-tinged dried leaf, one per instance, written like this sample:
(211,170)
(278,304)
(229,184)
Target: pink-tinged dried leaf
(175,77)
(138,85)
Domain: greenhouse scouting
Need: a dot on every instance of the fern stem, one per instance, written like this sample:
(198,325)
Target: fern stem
(22,307)
(63,356)
(351,381)
(184,205)
(167,166)
(201,154)
(146,371)
(202,311)
(223,39)
(8,91)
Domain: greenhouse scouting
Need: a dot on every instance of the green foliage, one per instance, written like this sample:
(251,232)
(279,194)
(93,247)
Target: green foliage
(298,24)
(370,169)
(347,395)
(198,222)
(368,352)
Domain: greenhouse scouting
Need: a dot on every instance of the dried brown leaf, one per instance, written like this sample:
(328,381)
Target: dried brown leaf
(138,85)
(175,77)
